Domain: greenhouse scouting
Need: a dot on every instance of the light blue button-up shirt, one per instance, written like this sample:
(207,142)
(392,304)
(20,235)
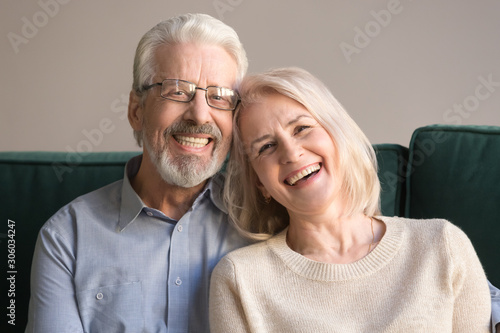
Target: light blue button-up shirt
(495,306)
(107,263)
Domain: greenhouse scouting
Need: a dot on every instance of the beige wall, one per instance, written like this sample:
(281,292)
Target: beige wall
(395,65)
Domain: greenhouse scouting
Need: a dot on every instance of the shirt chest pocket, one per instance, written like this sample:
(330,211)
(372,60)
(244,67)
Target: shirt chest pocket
(115,308)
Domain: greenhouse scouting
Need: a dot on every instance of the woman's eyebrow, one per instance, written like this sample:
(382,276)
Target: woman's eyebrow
(267,136)
(260,139)
(293,121)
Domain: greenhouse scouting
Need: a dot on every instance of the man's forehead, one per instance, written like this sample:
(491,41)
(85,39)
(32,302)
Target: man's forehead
(201,64)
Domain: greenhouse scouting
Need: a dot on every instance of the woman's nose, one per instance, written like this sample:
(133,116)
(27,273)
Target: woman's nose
(290,151)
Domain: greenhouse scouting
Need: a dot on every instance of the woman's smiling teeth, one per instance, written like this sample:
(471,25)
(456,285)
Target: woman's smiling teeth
(191,141)
(304,173)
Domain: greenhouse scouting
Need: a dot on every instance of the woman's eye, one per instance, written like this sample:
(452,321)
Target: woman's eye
(265,147)
(301,128)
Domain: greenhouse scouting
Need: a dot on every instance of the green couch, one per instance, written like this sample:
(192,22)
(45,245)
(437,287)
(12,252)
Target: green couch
(447,171)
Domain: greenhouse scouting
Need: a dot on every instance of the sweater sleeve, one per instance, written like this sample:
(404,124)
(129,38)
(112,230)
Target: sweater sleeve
(472,306)
(225,308)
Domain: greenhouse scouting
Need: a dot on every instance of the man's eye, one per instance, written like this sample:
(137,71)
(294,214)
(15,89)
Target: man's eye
(172,92)
(180,95)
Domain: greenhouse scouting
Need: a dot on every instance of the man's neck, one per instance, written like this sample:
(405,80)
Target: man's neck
(174,201)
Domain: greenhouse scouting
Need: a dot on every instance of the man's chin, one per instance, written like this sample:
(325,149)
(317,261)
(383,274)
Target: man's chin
(185,170)
(187,174)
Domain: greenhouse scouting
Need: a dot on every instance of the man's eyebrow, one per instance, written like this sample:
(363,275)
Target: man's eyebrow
(290,123)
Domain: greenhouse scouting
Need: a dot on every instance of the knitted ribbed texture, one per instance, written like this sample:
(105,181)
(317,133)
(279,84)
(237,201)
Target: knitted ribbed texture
(423,276)
(314,270)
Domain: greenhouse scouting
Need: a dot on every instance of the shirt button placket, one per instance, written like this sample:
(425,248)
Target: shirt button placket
(178,281)
(179,278)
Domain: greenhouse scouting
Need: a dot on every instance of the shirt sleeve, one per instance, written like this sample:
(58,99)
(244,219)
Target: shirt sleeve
(472,308)
(495,307)
(53,306)
(226,310)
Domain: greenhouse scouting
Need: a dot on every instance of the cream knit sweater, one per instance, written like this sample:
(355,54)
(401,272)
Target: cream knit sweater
(424,276)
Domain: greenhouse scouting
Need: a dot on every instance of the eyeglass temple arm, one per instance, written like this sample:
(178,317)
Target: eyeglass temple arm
(151,86)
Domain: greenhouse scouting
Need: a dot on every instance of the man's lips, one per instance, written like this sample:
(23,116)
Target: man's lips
(307,172)
(191,141)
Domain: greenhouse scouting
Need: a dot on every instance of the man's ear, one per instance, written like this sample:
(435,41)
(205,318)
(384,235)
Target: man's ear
(135,111)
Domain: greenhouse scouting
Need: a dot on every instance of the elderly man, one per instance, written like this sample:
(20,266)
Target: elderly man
(136,256)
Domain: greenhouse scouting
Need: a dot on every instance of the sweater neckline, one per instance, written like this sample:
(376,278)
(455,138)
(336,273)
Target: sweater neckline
(314,270)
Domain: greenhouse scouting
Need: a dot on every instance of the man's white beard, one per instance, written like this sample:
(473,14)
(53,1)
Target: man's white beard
(186,170)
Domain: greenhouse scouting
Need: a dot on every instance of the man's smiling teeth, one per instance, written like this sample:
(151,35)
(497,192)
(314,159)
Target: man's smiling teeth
(191,141)
(302,174)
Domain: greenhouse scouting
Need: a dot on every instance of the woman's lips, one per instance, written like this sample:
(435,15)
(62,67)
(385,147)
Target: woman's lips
(303,173)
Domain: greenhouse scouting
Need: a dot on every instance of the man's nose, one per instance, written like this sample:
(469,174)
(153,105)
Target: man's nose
(198,110)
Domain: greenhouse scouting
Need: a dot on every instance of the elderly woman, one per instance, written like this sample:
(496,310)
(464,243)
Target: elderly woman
(303,177)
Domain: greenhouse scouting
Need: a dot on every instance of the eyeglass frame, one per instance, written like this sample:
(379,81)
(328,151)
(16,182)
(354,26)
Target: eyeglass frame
(144,88)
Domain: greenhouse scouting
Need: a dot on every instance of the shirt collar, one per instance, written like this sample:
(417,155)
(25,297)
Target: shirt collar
(132,205)
(215,189)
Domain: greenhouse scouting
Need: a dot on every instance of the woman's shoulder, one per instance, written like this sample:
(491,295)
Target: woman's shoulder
(249,253)
(425,229)
(413,223)
(245,259)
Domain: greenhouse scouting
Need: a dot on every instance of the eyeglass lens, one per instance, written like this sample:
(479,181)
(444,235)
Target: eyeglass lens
(184,91)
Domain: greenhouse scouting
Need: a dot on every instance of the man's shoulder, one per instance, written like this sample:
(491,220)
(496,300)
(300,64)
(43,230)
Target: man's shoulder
(100,201)
(95,197)
(106,195)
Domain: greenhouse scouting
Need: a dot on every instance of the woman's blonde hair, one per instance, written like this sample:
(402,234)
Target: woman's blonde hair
(248,210)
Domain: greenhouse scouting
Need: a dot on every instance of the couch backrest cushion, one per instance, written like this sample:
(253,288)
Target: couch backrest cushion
(392,160)
(454,173)
(34,185)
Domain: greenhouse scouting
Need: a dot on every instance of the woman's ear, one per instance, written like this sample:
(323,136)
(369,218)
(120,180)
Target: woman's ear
(263,190)
(135,111)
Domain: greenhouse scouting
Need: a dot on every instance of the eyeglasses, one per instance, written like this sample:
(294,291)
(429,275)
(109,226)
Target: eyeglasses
(183,91)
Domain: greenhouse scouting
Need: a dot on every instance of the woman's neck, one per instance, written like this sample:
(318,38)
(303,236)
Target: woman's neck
(334,239)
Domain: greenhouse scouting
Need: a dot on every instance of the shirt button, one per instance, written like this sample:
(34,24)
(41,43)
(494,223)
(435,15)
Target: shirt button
(178,281)
(99,296)
(179,228)
(149,213)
